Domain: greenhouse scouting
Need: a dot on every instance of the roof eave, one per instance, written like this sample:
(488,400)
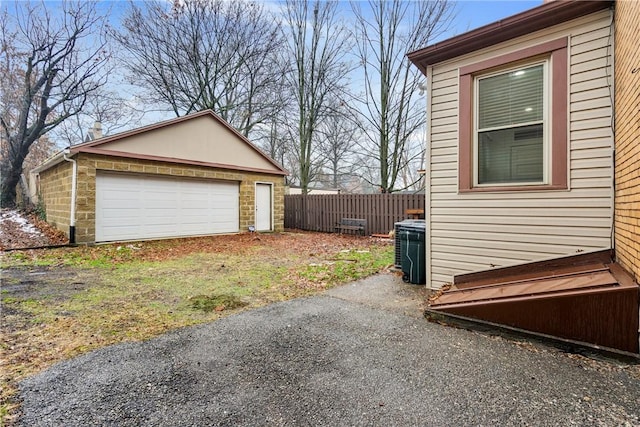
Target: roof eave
(538,18)
(51,161)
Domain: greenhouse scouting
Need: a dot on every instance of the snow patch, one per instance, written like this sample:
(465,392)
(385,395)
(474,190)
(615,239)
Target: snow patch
(10,215)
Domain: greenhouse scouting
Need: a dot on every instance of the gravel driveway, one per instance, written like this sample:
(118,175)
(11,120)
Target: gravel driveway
(358,355)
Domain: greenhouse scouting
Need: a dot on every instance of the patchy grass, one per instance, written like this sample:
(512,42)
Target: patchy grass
(217,302)
(63,302)
(347,265)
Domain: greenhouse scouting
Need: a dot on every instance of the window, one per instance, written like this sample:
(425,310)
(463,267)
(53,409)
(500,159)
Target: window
(513,121)
(509,126)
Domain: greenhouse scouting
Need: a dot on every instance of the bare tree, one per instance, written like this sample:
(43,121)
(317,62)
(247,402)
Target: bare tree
(109,108)
(51,62)
(390,112)
(206,54)
(276,144)
(39,151)
(338,134)
(413,161)
(318,45)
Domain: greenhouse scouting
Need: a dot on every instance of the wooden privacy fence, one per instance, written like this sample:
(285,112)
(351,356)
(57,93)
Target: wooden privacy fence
(322,212)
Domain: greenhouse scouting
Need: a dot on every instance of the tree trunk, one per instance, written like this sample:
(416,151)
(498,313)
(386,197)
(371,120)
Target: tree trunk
(10,179)
(11,169)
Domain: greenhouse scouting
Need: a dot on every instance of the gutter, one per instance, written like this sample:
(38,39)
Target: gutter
(50,162)
(72,219)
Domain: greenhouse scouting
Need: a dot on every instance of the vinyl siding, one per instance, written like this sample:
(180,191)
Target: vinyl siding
(478,231)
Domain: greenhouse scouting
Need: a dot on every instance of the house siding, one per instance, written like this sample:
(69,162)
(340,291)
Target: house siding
(478,231)
(209,141)
(55,184)
(627,176)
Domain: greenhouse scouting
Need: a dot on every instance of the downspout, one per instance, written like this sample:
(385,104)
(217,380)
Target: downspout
(612,92)
(72,219)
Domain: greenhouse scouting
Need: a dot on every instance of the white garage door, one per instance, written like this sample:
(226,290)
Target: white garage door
(130,207)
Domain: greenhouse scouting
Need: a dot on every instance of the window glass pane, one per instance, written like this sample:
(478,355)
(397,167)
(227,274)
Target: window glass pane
(511,98)
(511,155)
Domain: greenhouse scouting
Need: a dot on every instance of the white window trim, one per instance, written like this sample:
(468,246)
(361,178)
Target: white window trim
(546,124)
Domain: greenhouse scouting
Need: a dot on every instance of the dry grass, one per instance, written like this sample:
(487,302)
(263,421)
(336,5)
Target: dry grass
(57,304)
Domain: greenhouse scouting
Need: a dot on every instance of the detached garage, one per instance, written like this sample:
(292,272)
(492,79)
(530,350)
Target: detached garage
(190,176)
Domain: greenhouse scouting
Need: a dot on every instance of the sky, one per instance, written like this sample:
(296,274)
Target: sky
(470,15)
(474,14)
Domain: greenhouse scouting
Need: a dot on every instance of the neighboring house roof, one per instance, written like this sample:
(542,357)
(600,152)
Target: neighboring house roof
(527,22)
(141,144)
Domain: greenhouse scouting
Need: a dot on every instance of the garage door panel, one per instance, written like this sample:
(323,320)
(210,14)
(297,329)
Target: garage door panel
(128,232)
(125,214)
(118,195)
(194,219)
(132,206)
(158,230)
(160,212)
(192,205)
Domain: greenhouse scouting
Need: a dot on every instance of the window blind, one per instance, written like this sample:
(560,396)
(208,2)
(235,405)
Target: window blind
(512,98)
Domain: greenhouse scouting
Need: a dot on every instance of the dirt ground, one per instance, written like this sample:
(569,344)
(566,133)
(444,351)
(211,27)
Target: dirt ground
(60,302)
(26,230)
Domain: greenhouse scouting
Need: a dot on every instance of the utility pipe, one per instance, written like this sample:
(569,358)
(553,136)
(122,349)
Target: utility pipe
(72,220)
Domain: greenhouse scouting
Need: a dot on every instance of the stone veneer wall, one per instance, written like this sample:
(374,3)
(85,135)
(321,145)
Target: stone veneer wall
(55,190)
(55,179)
(627,161)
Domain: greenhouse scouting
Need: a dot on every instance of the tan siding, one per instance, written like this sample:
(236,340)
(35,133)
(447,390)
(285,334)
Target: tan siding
(627,200)
(586,38)
(448,113)
(448,138)
(449,99)
(202,139)
(588,112)
(590,153)
(448,90)
(519,221)
(590,64)
(589,95)
(471,232)
(588,59)
(446,106)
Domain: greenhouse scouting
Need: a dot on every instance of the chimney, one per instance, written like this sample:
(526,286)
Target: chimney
(97,130)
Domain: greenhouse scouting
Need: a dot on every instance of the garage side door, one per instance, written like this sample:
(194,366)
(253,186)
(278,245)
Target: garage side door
(130,207)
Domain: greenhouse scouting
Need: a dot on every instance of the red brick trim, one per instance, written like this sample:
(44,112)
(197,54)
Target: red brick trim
(556,50)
